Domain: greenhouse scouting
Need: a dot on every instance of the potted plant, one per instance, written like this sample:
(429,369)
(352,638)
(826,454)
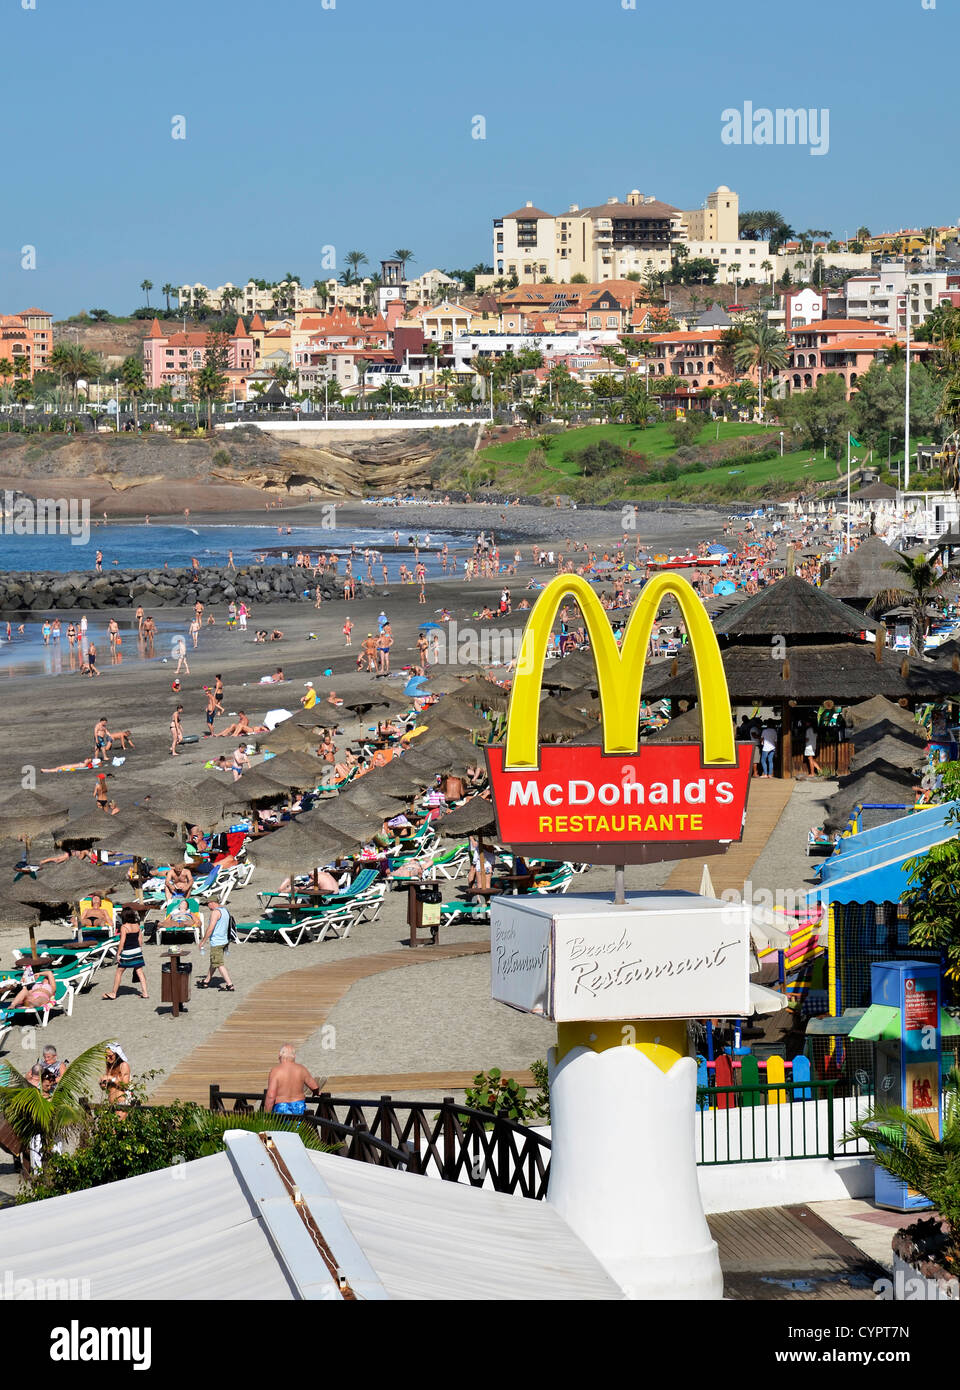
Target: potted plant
(926,1254)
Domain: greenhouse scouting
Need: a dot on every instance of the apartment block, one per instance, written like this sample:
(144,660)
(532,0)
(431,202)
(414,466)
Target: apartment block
(26,340)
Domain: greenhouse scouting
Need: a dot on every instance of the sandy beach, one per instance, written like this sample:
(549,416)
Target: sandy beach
(427,1017)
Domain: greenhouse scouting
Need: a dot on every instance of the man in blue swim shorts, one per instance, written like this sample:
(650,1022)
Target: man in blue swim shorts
(286,1084)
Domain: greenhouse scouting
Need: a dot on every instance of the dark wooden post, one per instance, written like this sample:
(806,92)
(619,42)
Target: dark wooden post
(449,1139)
(786,741)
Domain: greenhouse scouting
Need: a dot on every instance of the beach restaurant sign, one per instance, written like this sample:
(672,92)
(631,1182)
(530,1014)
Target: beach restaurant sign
(619,803)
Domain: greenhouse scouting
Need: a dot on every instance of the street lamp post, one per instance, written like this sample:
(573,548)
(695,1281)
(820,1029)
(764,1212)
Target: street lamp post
(116,392)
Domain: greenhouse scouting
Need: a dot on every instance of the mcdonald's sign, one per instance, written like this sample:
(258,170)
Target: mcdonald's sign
(619,802)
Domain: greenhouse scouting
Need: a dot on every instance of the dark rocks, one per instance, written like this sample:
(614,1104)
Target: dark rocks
(48,592)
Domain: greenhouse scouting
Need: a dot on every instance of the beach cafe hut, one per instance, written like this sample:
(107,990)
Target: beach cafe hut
(796,649)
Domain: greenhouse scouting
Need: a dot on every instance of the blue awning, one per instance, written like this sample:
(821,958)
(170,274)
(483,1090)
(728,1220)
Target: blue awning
(902,847)
(894,829)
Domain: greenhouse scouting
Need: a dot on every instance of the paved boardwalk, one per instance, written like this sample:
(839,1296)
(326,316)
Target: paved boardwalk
(790,1253)
(294,1005)
(288,1008)
(766,803)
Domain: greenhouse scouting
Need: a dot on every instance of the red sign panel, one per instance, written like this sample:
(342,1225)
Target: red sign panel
(920,1009)
(580,795)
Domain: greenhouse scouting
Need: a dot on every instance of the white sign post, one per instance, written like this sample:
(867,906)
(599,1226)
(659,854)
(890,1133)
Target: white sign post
(623,1166)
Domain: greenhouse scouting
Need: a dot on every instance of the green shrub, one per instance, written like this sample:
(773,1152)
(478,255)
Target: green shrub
(504,1096)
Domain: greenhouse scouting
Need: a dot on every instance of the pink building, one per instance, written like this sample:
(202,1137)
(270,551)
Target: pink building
(840,347)
(171,360)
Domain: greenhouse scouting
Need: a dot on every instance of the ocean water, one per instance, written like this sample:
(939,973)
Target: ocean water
(141,546)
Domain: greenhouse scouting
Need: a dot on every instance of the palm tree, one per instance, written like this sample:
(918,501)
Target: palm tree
(73,363)
(362,368)
(903,1142)
(434,351)
(22,393)
(147,286)
(6,369)
(200,303)
(760,345)
(403,255)
(32,1114)
(919,582)
(322,290)
(354,260)
(167,290)
(131,374)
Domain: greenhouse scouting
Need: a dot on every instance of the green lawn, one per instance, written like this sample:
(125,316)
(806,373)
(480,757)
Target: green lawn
(655,442)
(795,470)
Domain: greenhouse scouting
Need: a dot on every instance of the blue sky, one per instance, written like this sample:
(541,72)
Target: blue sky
(351,127)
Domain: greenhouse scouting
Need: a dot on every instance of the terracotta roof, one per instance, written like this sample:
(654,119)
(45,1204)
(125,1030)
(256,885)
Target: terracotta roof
(240,331)
(631,212)
(838,325)
(45,312)
(155,330)
(257,324)
(689,335)
(528,214)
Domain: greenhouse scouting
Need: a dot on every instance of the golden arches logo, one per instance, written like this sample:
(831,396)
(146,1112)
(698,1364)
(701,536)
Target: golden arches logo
(619,670)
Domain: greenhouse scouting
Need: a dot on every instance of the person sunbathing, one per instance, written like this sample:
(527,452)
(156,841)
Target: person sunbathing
(37,991)
(96,917)
(177,882)
(325,883)
(240,727)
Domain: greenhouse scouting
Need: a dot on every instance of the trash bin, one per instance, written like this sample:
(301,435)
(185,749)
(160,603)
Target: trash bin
(423,910)
(175,983)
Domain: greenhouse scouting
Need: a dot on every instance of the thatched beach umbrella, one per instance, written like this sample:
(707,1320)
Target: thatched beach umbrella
(199,804)
(295,847)
(85,829)
(472,818)
(557,723)
(26,814)
(878,708)
(63,884)
(256,788)
(291,737)
(485,693)
(892,751)
(293,770)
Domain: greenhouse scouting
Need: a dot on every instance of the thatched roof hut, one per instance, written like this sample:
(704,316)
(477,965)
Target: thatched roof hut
(857,578)
(871,789)
(894,751)
(791,607)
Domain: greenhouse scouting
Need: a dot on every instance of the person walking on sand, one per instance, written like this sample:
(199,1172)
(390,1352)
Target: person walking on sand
(139,619)
(810,750)
(176,730)
(242,612)
(286,1084)
(347,631)
(180,652)
(130,953)
(217,936)
(195,632)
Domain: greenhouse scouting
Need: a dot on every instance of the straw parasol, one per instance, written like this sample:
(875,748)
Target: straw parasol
(472,818)
(485,693)
(85,829)
(454,713)
(879,708)
(62,884)
(291,737)
(295,770)
(353,822)
(27,814)
(256,788)
(889,750)
(556,722)
(201,803)
(296,846)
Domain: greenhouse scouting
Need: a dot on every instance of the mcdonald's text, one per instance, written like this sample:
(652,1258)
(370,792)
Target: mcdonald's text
(579,794)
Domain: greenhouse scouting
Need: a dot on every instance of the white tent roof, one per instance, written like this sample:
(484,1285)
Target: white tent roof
(226,1227)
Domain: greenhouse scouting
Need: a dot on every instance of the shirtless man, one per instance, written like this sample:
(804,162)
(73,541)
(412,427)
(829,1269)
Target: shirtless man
(286,1084)
(102,738)
(211,712)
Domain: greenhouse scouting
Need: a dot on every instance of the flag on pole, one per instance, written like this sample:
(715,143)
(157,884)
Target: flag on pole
(855,442)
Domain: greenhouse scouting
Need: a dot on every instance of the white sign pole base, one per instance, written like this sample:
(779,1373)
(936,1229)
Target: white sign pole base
(623,1170)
